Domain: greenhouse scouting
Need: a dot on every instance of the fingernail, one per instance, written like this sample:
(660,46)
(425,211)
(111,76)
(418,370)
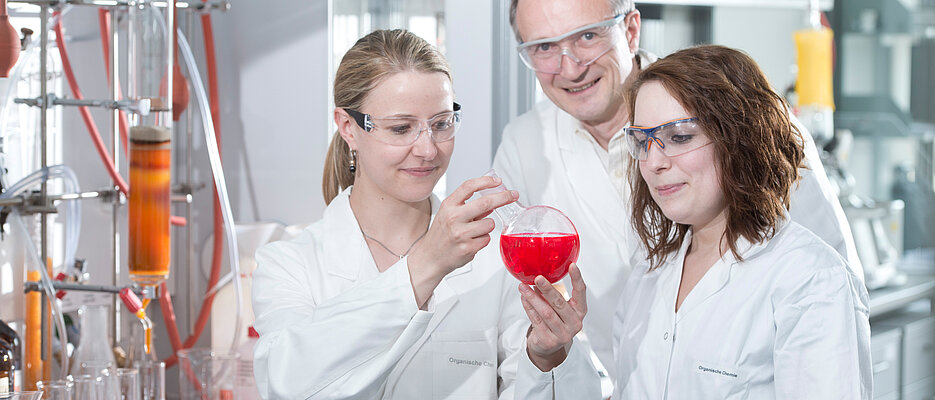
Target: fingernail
(496,179)
(515,194)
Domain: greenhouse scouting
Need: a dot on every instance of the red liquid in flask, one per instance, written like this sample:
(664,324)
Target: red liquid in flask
(549,254)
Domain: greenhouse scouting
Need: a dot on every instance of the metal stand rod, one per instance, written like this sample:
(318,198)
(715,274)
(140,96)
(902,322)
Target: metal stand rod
(113,66)
(33,201)
(141,106)
(194,6)
(31,286)
(46,351)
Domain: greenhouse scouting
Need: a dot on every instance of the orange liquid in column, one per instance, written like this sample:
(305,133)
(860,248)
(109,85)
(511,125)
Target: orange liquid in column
(150,176)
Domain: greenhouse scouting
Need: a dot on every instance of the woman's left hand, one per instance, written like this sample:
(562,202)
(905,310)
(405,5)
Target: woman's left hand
(555,322)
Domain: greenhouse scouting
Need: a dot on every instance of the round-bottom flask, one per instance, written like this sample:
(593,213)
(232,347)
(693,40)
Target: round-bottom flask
(537,240)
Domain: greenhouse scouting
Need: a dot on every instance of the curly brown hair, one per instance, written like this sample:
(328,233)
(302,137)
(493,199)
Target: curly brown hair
(758,149)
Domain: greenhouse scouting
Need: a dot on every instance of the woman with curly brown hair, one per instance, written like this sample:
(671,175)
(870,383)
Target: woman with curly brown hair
(733,300)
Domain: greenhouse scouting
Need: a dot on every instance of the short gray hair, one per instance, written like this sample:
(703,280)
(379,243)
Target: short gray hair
(619,7)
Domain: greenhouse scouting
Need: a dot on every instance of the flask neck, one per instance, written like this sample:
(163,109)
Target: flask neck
(508,212)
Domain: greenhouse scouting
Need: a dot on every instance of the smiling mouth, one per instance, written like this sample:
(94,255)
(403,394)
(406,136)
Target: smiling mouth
(420,171)
(668,189)
(580,88)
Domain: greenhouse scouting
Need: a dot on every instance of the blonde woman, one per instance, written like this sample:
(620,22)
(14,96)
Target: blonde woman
(390,295)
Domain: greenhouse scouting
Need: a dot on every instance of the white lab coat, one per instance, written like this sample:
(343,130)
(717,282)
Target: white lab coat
(791,321)
(332,327)
(543,158)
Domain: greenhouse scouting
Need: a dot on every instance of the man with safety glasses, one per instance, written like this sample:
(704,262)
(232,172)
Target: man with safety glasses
(570,152)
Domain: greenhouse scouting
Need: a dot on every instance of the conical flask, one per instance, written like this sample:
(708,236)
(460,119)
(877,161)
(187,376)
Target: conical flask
(537,240)
(94,345)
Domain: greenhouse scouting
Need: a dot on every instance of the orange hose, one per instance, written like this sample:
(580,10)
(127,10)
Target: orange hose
(168,316)
(32,346)
(103,16)
(85,112)
(218,244)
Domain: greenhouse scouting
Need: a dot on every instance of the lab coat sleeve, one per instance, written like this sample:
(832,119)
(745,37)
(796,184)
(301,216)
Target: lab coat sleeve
(343,347)
(822,348)
(815,205)
(575,378)
(512,331)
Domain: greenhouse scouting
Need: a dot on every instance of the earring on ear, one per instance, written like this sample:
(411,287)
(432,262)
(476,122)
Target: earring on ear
(352,165)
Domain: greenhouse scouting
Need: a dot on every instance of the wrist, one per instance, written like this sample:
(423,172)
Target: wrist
(547,362)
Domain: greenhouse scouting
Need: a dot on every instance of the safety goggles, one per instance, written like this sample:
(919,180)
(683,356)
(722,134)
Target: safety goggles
(673,138)
(404,131)
(583,45)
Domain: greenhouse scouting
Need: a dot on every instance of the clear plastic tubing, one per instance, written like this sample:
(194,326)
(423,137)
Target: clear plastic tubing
(73,207)
(214,157)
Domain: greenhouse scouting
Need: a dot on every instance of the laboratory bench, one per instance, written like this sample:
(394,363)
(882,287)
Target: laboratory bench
(902,326)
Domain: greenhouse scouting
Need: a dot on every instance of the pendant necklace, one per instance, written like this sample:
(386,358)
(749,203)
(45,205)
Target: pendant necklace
(391,251)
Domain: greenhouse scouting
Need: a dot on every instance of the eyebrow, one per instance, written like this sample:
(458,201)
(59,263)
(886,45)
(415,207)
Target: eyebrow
(455,107)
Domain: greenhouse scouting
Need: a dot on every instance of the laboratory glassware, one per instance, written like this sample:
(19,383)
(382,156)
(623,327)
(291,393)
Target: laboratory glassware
(94,344)
(7,365)
(128,380)
(87,387)
(21,396)
(152,379)
(205,374)
(149,208)
(537,240)
(55,390)
(150,60)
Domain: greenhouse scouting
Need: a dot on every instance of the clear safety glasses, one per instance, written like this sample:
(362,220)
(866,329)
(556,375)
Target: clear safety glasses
(673,138)
(583,46)
(404,131)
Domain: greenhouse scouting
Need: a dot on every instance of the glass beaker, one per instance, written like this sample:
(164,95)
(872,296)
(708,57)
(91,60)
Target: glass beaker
(55,390)
(128,384)
(87,387)
(149,205)
(205,374)
(94,343)
(537,240)
(21,396)
(107,373)
(152,379)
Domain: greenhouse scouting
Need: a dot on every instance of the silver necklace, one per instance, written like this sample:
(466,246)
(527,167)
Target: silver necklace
(391,251)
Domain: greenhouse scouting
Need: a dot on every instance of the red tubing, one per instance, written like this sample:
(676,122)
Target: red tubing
(103,16)
(168,314)
(85,112)
(218,244)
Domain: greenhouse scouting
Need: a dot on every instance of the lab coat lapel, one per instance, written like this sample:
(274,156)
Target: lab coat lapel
(593,188)
(350,257)
(444,299)
(719,275)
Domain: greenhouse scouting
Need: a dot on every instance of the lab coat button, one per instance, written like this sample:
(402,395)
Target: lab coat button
(665,336)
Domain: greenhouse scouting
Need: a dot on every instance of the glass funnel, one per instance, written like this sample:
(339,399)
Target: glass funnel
(537,240)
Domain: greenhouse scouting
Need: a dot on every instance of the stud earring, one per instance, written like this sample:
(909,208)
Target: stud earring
(352,165)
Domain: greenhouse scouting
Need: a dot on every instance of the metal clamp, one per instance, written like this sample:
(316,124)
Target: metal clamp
(139,106)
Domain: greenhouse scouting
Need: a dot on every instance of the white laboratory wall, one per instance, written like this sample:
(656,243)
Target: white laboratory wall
(273,68)
(469,28)
(765,34)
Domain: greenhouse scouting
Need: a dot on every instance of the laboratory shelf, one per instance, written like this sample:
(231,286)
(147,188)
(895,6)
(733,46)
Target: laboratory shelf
(891,298)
